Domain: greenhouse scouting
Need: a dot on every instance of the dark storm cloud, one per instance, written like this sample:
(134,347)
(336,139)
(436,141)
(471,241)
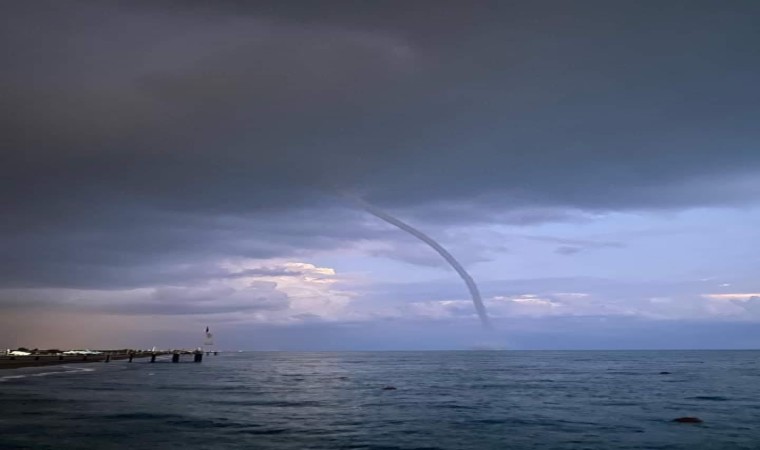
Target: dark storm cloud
(256,110)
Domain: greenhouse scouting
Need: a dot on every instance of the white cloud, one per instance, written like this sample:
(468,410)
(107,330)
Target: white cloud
(246,291)
(732,296)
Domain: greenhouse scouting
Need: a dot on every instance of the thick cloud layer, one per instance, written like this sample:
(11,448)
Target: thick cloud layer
(241,108)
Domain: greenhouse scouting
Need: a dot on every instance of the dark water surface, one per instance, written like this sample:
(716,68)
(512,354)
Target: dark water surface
(443,400)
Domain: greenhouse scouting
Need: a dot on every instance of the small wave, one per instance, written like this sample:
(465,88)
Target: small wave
(264,431)
(617,403)
(712,398)
(270,403)
(71,370)
(141,416)
(44,374)
(12,377)
(374,447)
(195,423)
(236,427)
(491,421)
(454,406)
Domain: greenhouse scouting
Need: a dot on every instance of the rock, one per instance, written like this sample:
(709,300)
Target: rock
(389,388)
(664,373)
(688,420)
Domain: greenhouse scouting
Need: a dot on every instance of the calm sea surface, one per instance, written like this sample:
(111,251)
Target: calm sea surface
(443,400)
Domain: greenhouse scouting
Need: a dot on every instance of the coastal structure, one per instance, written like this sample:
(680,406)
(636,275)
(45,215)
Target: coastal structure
(208,343)
(23,357)
(15,359)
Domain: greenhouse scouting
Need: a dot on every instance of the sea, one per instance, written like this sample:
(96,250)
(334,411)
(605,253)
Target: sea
(441,400)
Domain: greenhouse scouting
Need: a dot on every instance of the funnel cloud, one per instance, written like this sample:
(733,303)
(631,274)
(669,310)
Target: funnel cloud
(471,286)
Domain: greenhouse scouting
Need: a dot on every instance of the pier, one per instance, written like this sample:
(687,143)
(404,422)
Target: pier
(106,356)
(23,357)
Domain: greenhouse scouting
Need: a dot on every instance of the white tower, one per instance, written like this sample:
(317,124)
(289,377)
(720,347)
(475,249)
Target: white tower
(209,342)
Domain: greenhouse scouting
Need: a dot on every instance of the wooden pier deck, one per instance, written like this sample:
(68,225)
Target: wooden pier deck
(16,362)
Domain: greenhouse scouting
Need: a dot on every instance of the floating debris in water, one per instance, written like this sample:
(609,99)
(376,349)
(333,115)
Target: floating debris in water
(688,420)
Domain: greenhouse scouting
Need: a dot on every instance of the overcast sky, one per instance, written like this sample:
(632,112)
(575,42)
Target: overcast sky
(168,166)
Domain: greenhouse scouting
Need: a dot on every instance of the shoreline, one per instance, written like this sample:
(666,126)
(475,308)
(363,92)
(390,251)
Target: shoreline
(19,362)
